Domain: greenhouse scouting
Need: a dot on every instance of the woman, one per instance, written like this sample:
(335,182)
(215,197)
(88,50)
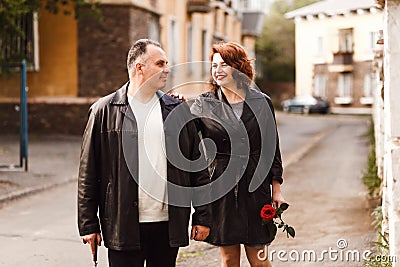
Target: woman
(245,157)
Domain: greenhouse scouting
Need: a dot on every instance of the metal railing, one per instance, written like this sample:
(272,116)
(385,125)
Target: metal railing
(23,120)
(201,6)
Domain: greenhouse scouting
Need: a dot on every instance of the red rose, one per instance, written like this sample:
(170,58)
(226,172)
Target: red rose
(267,212)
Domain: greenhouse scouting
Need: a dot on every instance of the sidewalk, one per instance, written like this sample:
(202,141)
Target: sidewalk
(52,161)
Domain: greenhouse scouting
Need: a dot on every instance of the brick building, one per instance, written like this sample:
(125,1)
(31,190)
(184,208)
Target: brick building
(72,62)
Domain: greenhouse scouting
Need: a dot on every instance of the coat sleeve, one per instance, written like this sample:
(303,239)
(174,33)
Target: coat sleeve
(200,180)
(88,180)
(276,170)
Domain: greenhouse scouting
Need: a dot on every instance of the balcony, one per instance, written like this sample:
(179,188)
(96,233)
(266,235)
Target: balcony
(343,58)
(252,23)
(200,6)
(342,62)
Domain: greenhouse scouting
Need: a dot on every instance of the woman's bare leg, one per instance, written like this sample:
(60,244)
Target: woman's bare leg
(230,256)
(252,257)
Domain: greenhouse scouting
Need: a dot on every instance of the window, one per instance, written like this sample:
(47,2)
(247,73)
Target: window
(154,30)
(344,89)
(320,45)
(15,48)
(373,37)
(346,40)
(369,84)
(173,44)
(190,47)
(217,20)
(320,85)
(345,85)
(226,16)
(318,51)
(235,4)
(204,54)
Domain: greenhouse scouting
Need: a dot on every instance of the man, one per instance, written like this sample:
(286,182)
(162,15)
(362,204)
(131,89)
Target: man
(125,177)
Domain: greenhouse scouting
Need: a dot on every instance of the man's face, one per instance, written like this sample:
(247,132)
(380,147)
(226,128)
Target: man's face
(155,68)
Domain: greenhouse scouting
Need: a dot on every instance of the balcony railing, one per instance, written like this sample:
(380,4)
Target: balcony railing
(343,58)
(201,6)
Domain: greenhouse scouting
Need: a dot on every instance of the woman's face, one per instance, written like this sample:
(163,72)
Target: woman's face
(222,72)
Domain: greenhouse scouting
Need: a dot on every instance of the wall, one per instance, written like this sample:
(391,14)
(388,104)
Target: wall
(103,47)
(57,60)
(387,127)
(392,119)
(56,116)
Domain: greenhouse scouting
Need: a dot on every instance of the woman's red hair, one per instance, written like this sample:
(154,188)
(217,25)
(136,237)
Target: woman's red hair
(235,56)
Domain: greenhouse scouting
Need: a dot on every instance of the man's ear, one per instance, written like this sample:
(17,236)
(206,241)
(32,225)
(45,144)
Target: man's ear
(138,67)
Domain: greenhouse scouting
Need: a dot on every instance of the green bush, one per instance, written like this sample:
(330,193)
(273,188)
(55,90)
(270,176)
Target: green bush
(370,177)
(380,247)
(373,183)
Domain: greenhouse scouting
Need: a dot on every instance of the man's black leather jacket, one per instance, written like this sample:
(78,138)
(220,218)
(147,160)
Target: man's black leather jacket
(107,190)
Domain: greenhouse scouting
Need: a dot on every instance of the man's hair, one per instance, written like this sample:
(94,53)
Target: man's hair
(138,49)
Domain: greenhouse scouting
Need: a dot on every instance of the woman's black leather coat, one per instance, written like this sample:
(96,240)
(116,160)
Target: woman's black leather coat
(246,161)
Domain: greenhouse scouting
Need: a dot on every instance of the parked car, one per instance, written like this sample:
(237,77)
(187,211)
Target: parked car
(306,104)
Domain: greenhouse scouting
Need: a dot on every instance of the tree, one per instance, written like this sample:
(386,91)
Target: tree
(276,47)
(11,12)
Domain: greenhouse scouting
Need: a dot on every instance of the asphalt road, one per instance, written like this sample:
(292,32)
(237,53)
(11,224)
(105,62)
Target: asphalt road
(324,158)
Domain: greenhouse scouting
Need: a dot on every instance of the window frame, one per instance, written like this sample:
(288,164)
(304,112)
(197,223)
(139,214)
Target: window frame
(345,85)
(26,44)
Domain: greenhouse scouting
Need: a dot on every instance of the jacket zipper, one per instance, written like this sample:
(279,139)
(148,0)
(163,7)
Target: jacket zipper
(236,195)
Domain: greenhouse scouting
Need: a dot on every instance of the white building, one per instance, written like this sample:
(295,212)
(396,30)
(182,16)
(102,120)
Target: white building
(335,42)
(257,5)
(387,126)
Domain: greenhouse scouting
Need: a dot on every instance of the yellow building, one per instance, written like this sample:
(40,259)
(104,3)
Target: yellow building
(72,63)
(335,43)
(52,64)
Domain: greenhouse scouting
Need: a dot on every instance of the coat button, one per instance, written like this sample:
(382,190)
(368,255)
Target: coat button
(135,203)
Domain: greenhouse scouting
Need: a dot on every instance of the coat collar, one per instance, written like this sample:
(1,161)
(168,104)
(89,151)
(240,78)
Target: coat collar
(255,102)
(216,105)
(120,98)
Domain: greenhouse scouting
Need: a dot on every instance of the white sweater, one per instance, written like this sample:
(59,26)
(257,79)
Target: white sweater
(152,160)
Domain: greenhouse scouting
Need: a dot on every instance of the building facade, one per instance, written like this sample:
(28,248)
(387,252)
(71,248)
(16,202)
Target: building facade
(386,118)
(335,43)
(74,62)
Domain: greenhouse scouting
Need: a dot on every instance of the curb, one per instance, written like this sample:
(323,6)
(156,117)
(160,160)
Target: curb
(33,190)
(300,153)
